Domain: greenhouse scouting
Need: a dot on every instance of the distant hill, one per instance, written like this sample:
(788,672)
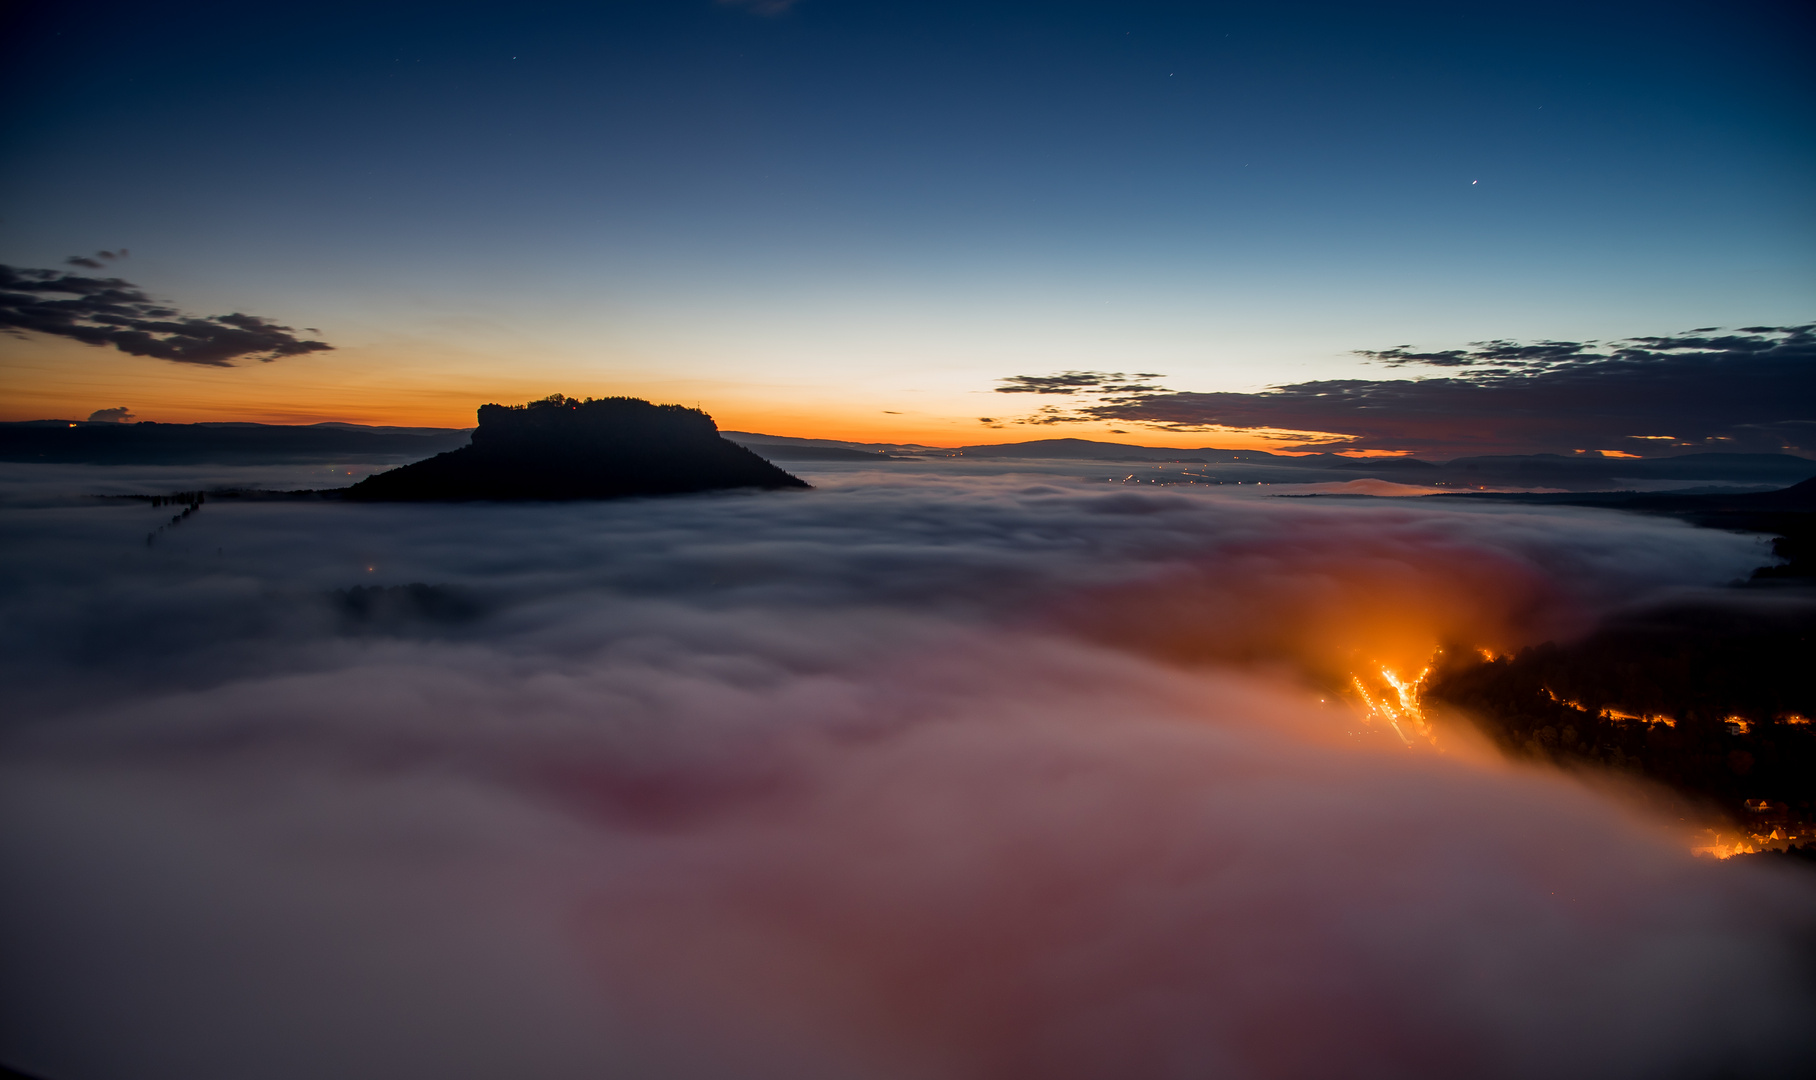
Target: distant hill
(563,448)
(789,446)
(1798,498)
(68,441)
(147,443)
(1576,472)
(1090,450)
(793,452)
(1559,470)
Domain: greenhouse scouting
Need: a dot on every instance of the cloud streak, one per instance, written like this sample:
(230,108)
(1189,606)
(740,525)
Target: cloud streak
(1749,390)
(111,311)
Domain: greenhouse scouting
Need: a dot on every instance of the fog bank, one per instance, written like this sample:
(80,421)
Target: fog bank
(919,775)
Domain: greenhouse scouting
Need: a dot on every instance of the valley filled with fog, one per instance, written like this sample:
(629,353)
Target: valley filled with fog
(941,769)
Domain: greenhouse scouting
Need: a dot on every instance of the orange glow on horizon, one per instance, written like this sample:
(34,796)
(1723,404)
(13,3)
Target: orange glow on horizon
(407,382)
(64,380)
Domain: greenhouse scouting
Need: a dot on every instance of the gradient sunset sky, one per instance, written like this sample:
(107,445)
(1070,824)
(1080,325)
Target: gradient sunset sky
(852,218)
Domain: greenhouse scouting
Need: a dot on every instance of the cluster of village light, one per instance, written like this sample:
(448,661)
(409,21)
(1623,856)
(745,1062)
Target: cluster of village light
(1404,715)
(1401,711)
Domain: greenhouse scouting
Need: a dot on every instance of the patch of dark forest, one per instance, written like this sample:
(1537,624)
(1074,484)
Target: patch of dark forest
(1713,700)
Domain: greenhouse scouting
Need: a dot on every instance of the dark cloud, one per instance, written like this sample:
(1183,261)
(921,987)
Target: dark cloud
(1753,389)
(111,311)
(1509,353)
(939,775)
(110,416)
(1079,382)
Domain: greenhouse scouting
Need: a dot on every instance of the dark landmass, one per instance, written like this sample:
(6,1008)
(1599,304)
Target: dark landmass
(148,443)
(1583,472)
(1383,465)
(1714,701)
(752,439)
(1798,497)
(1531,470)
(1089,450)
(1557,470)
(564,448)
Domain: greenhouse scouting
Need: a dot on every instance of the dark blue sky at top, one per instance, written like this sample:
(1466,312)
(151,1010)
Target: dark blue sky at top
(897,113)
(1656,151)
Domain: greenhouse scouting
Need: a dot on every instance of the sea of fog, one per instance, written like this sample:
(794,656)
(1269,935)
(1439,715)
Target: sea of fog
(956,771)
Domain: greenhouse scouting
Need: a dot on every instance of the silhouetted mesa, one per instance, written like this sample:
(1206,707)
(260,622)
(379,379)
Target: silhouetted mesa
(563,448)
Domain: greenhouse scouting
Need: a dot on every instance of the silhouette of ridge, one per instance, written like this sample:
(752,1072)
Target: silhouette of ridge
(564,448)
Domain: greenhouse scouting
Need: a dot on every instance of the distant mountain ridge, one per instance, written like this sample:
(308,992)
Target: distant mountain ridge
(145,443)
(150,443)
(1530,470)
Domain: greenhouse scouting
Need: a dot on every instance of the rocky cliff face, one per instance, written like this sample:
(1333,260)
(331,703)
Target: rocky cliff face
(563,448)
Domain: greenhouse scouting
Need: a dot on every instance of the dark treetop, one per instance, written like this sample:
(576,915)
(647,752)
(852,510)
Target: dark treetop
(563,448)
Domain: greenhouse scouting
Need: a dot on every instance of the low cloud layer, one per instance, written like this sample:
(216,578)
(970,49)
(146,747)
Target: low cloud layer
(112,311)
(1747,390)
(909,776)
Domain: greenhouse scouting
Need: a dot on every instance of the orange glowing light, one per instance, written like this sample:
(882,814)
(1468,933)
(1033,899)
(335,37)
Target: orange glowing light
(1723,845)
(1612,713)
(1401,710)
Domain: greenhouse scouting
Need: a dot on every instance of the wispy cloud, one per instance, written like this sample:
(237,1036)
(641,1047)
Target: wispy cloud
(100,260)
(111,311)
(1079,382)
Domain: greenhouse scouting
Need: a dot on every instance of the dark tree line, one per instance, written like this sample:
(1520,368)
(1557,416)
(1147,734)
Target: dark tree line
(190,501)
(1733,681)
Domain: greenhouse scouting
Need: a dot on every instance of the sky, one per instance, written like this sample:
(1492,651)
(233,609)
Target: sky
(851,220)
